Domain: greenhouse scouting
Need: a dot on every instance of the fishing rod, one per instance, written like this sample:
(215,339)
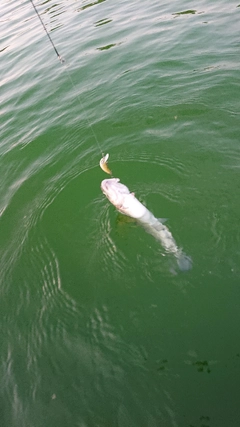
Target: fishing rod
(104,159)
(51,41)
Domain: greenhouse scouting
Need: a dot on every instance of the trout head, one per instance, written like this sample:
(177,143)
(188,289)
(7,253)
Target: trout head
(115,191)
(119,195)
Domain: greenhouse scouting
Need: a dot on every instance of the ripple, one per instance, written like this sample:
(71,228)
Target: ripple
(218,237)
(164,104)
(109,46)
(53,297)
(102,22)
(100,328)
(86,6)
(111,259)
(52,14)
(185,12)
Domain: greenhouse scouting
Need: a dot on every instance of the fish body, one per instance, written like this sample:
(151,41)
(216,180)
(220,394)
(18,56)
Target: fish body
(126,202)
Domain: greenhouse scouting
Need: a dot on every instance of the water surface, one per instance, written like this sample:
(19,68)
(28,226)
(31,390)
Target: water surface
(99,326)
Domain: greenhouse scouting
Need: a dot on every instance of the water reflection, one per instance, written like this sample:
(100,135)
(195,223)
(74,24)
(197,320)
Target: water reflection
(102,22)
(109,46)
(202,366)
(53,11)
(90,5)
(203,421)
(185,12)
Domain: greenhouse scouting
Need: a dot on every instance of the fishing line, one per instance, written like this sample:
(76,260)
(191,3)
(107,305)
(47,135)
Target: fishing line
(62,60)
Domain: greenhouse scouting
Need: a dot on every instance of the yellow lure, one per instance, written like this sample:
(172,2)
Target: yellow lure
(103,164)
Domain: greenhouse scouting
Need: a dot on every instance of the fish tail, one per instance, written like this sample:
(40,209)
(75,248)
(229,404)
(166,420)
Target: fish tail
(184,261)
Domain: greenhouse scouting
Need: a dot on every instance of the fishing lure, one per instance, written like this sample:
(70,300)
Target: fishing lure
(103,164)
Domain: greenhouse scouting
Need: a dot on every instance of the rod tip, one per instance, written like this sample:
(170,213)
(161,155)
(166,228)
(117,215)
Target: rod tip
(62,60)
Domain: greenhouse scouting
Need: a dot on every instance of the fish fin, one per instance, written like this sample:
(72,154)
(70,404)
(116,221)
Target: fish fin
(163,220)
(119,207)
(184,261)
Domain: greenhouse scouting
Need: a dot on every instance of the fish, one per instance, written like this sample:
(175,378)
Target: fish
(103,164)
(125,202)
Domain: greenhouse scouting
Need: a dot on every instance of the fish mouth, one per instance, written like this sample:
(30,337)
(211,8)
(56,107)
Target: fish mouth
(106,184)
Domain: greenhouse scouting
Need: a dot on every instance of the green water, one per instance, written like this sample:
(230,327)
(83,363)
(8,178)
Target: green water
(98,325)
